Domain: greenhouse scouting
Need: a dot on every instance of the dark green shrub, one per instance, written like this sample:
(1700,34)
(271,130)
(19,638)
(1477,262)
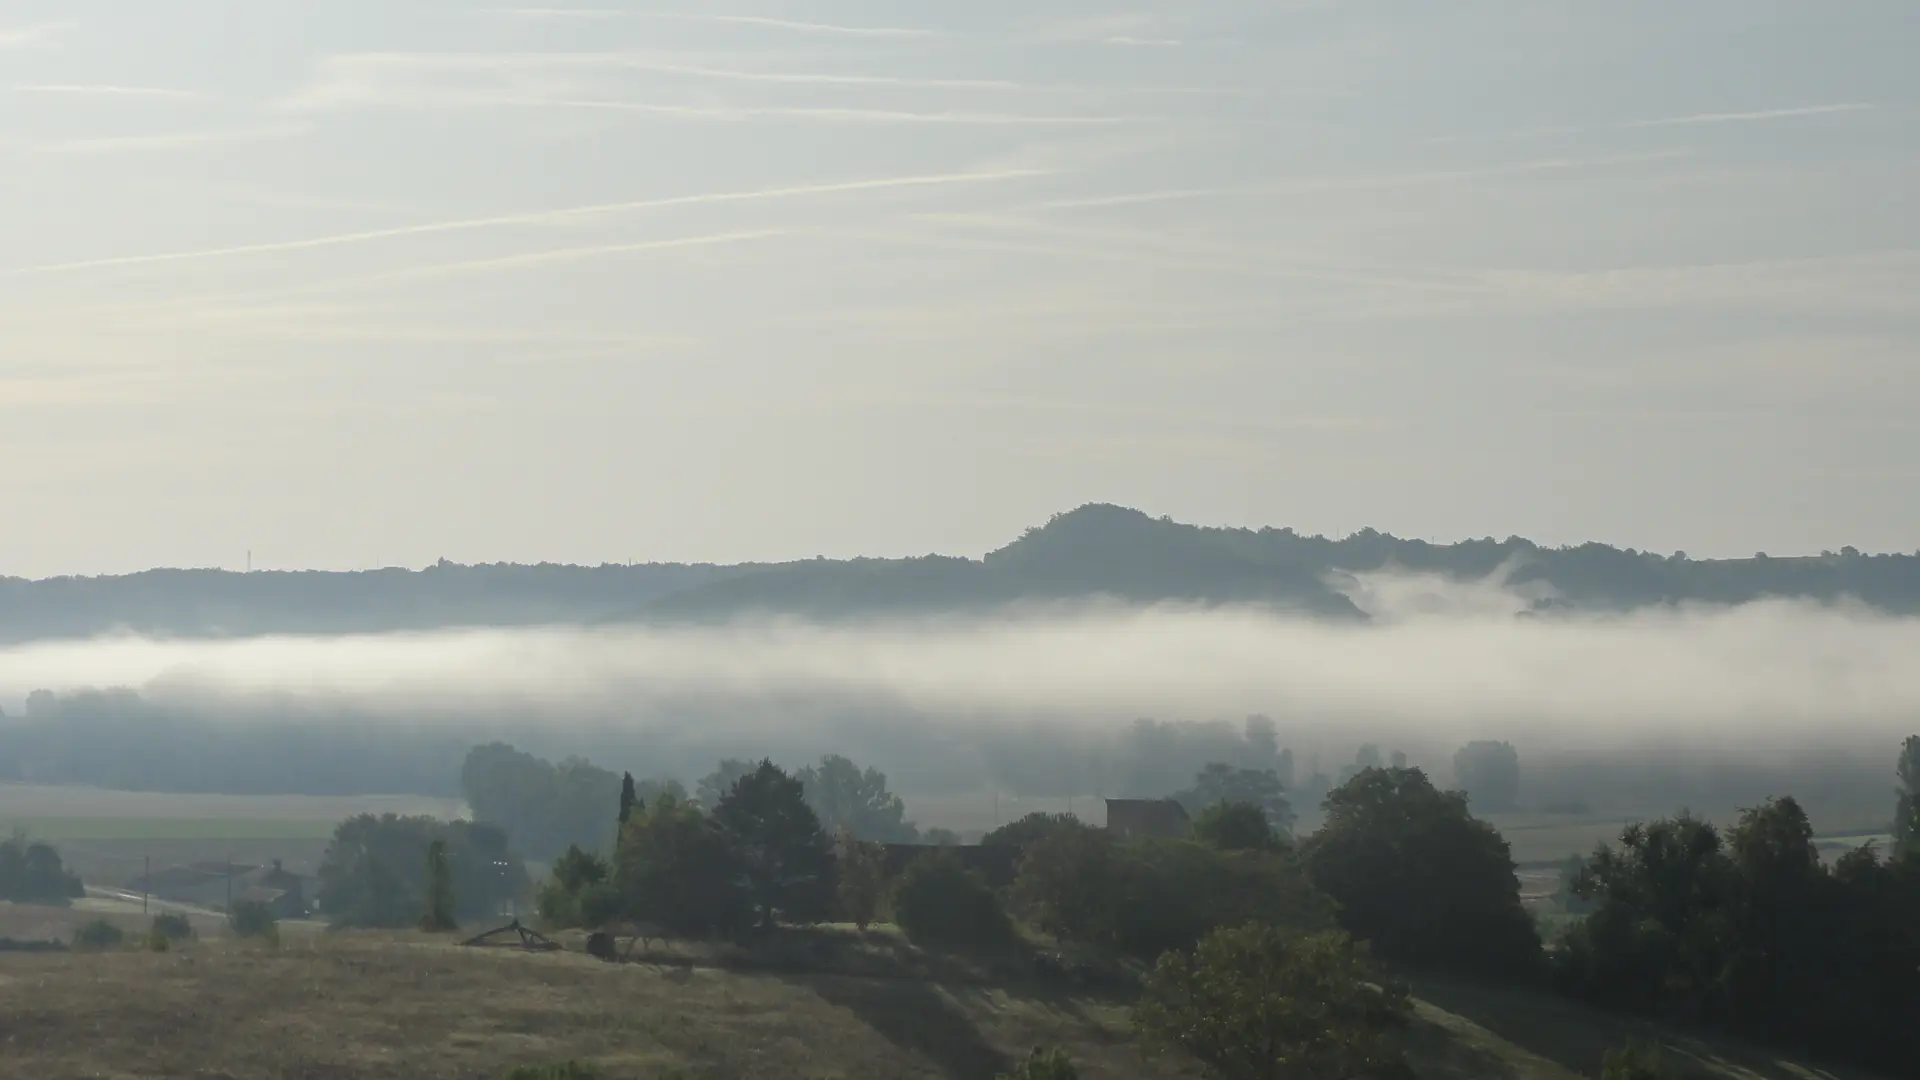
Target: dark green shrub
(1639,1060)
(99,934)
(251,919)
(172,927)
(939,901)
(1044,1064)
(564,1070)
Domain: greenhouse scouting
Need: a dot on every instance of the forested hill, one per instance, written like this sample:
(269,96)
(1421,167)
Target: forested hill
(1090,552)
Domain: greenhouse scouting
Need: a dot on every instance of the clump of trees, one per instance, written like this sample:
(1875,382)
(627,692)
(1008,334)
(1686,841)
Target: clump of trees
(1489,772)
(1145,896)
(1421,878)
(1235,826)
(31,872)
(374,873)
(547,807)
(1219,783)
(939,901)
(1255,1002)
(1749,930)
(760,856)
(862,871)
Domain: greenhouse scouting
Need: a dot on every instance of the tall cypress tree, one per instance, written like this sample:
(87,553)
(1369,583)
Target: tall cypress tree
(439,917)
(629,798)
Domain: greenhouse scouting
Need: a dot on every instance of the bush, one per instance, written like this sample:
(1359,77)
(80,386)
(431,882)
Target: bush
(172,927)
(252,919)
(99,934)
(155,941)
(939,901)
(1044,1064)
(565,1070)
(1639,1060)
(1234,826)
(1144,897)
(1257,1003)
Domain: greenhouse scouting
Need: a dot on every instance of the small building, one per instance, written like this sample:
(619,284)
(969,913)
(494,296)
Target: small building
(1159,818)
(214,884)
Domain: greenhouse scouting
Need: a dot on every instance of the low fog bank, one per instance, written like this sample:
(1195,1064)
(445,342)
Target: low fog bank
(1652,709)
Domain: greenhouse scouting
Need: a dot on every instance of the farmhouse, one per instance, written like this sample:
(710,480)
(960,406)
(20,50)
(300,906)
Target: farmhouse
(211,884)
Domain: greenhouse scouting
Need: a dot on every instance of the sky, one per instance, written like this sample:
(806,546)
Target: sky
(377,282)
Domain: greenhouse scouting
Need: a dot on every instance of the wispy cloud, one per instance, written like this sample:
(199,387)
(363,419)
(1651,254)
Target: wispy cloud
(1683,120)
(1752,117)
(445,78)
(806,27)
(542,217)
(106,90)
(831,115)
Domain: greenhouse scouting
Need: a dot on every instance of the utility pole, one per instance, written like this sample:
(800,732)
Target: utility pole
(146,884)
(229,886)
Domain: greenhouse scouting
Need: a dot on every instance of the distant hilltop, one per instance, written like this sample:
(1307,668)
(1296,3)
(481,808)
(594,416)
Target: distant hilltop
(1096,551)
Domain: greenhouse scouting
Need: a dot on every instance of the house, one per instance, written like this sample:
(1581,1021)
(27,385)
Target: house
(215,884)
(1162,818)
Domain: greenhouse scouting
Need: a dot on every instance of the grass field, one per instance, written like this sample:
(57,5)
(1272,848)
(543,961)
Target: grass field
(402,1006)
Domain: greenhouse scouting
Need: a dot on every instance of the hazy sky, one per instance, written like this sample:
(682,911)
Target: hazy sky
(374,281)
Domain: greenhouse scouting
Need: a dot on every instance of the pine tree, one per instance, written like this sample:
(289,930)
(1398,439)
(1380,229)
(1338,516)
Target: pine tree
(629,798)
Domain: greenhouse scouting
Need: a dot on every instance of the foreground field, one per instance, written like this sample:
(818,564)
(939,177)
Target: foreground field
(379,1006)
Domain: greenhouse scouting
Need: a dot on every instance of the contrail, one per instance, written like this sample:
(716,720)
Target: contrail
(1747,117)
(536,217)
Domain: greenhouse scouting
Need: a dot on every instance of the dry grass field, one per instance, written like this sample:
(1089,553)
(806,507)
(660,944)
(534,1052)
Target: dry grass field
(340,1006)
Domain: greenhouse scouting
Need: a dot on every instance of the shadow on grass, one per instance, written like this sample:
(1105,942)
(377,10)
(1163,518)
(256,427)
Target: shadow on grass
(917,1018)
(1577,1037)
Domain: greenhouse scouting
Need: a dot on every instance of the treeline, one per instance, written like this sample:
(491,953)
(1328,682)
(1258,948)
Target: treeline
(123,740)
(1094,551)
(549,807)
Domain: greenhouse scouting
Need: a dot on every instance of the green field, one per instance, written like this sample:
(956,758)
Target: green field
(61,829)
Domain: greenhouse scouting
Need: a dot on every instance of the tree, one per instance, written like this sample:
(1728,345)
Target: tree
(785,853)
(1258,1003)
(939,901)
(374,875)
(675,866)
(439,917)
(1234,826)
(548,807)
(846,797)
(1906,812)
(1024,832)
(1489,772)
(1420,877)
(579,891)
(31,872)
(862,872)
(1218,783)
(715,785)
(629,798)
